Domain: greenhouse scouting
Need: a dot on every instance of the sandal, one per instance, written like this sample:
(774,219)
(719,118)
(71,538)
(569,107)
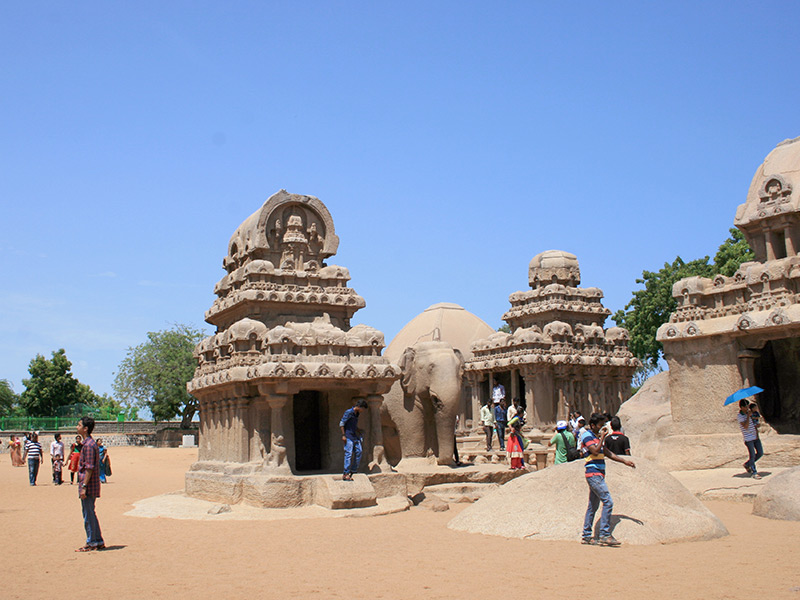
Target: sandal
(86,549)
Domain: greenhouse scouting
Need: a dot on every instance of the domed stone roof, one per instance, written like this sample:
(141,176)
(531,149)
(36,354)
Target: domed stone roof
(446,322)
(773,202)
(554,266)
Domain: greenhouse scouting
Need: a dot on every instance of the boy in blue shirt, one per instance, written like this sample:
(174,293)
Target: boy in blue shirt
(352,436)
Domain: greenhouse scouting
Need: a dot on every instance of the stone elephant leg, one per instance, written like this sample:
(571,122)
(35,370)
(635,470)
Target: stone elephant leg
(445,419)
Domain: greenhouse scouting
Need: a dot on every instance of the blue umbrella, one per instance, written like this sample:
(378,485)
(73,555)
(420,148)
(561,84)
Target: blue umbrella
(743,393)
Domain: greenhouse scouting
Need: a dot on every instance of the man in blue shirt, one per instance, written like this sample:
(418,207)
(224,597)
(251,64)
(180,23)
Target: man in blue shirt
(351,436)
(595,456)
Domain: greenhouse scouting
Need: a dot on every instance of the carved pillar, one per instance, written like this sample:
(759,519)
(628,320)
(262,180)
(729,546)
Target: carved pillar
(561,413)
(514,385)
(476,401)
(530,399)
(259,418)
(378,464)
(214,450)
(277,460)
(241,437)
(202,434)
(746,366)
(787,235)
(769,240)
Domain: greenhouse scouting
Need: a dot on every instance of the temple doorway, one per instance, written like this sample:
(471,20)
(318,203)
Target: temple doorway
(777,370)
(307,430)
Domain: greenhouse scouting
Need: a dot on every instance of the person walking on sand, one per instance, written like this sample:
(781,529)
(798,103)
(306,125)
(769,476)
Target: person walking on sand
(595,477)
(57,458)
(15,450)
(89,486)
(352,436)
(748,422)
(33,452)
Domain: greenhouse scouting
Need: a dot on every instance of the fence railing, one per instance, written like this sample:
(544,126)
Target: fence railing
(37,423)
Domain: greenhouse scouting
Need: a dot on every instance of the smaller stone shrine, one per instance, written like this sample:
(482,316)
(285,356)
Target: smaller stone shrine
(283,366)
(559,357)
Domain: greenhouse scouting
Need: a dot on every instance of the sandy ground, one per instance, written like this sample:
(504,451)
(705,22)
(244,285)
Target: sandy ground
(403,555)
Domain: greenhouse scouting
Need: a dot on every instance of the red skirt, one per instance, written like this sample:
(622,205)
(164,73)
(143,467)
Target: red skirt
(515,451)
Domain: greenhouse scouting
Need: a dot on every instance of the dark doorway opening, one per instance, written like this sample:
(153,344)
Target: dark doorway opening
(777,370)
(307,431)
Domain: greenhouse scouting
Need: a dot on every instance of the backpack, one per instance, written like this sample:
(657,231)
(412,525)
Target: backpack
(572,451)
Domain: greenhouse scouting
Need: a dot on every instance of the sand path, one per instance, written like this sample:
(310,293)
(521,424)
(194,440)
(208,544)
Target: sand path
(405,555)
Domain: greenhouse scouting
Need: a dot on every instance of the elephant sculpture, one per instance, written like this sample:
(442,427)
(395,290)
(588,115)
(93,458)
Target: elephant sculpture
(419,411)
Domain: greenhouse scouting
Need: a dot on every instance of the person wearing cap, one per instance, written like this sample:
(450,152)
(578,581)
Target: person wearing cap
(562,439)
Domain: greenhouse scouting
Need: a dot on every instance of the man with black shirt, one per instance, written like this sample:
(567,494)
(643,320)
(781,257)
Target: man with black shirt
(616,441)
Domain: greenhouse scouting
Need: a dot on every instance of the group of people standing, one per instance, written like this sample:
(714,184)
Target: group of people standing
(497,417)
(30,451)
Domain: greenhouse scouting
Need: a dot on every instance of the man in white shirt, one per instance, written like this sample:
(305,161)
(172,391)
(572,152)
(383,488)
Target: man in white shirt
(498,393)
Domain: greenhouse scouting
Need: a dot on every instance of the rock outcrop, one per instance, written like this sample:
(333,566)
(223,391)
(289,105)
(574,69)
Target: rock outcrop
(780,498)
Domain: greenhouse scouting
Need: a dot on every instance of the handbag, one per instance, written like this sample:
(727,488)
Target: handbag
(572,451)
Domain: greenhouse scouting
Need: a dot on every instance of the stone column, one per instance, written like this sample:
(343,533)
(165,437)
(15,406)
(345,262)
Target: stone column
(530,400)
(241,438)
(476,401)
(259,445)
(747,360)
(277,461)
(514,385)
(787,235)
(769,240)
(561,413)
(378,462)
(202,432)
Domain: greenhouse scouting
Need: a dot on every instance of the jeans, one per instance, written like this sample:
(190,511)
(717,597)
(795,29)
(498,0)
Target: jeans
(351,462)
(93,535)
(33,470)
(756,451)
(488,429)
(501,433)
(598,492)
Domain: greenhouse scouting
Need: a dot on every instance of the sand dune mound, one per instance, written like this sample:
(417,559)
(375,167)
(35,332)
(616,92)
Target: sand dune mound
(650,507)
(780,498)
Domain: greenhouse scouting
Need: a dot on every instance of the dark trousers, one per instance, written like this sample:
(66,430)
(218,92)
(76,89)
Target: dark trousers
(501,433)
(756,451)
(488,430)
(33,470)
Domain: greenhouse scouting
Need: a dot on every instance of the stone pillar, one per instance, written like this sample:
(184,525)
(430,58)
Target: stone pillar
(378,463)
(747,360)
(241,437)
(787,235)
(530,399)
(562,411)
(259,440)
(476,402)
(769,240)
(514,385)
(277,460)
(202,435)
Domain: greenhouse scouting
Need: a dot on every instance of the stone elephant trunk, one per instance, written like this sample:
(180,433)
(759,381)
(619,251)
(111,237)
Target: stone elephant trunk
(419,412)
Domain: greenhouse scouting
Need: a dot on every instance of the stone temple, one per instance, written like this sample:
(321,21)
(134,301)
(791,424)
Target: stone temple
(732,332)
(284,364)
(559,357)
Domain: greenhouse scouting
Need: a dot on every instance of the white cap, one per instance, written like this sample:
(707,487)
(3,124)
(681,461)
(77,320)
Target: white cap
(561,425)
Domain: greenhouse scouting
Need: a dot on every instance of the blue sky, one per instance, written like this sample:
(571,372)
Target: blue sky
(451,141)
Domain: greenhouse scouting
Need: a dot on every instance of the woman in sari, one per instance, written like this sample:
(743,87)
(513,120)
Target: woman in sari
(515,446)
(15,450)
(103,459)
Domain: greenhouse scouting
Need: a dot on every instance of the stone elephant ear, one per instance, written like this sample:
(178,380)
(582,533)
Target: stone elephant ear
(406,364)
(460,357)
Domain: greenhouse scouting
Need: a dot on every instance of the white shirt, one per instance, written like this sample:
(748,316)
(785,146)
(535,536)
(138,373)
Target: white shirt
(498,392)
(57,449)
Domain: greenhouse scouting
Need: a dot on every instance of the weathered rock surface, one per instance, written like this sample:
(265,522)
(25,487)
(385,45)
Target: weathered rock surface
(780,498)
(650,507)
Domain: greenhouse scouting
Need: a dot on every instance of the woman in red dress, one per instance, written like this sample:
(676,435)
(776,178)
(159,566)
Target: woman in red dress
(74,457)
(515,446)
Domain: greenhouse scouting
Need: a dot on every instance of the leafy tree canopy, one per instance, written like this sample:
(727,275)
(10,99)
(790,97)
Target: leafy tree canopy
(50,385)
(651,306)
(505,328)
(8,399)
(154,374)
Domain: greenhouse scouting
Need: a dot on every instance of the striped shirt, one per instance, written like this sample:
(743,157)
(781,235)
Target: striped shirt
(33,449)
(749,430)
(593,454)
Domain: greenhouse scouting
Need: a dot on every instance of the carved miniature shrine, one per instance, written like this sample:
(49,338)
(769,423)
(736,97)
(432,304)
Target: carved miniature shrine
(559,357)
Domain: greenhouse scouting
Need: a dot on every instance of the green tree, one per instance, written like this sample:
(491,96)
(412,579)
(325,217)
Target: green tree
(154,374)
(505,328)
(651,307)
(8,399)
(50,385)
(732,253)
